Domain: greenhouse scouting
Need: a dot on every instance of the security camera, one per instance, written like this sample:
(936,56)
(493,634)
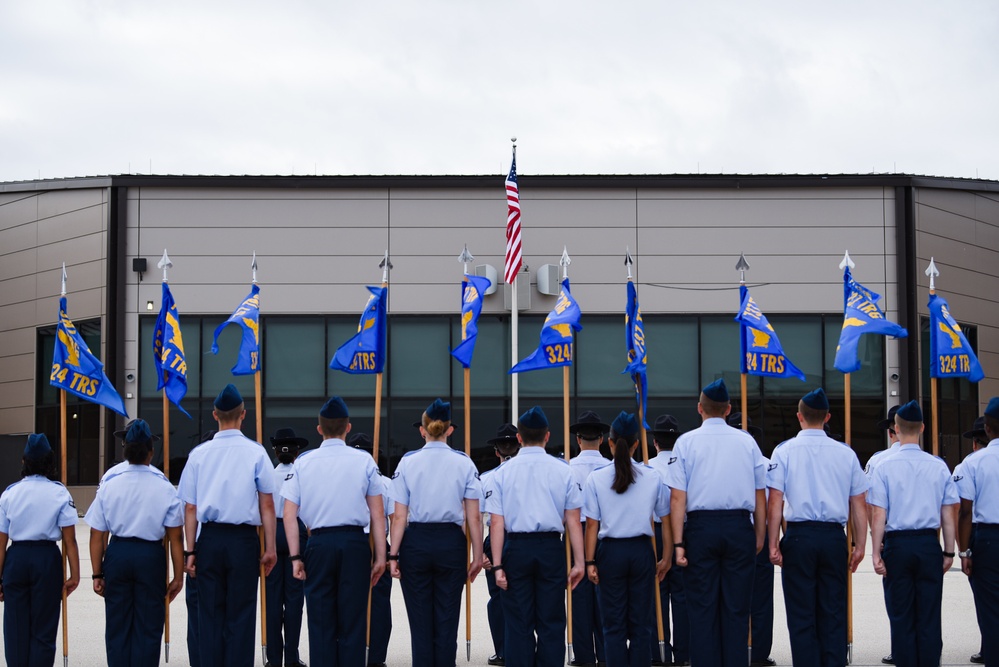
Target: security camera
(894,377)
(130,377)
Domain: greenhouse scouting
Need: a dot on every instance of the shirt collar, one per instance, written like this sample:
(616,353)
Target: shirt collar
(590,453)
(910,446)
(813,432)
(436,444)
(333,442)
(532,450)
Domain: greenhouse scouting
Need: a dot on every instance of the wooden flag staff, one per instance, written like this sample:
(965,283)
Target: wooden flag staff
(932,272)
(63,435)
(847,430)
(386,266)
(628,262)
(165,264)
(466,258)
(258,391)
(564,263)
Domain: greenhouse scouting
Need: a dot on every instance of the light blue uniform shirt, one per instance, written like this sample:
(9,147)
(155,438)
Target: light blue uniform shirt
(585,463)
(118,468)
(282,473)
(979,483)
(817,475)
(136,502)
(912,485)
(877,459)
(625,514)
(719,467)
(331,485)
(223,476)
(386,502)
(36,508)
(434,482)
(661,463)
(533,491)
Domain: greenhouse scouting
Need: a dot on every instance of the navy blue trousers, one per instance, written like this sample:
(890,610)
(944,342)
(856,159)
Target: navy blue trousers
(228,571)
(191,599)
(671,595)
(134,592)
(627,599)
(721,553)
(534,602)
(32,593)
(762,608)
(285,600)
(381,619)
(433,563)
(587,628)
(914,561)
(985,569)
(494,608)
(814,580)
(338,574)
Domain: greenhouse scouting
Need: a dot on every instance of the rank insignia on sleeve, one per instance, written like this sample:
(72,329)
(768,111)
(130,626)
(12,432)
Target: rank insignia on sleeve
(672,460)
(289,476)
(772,466)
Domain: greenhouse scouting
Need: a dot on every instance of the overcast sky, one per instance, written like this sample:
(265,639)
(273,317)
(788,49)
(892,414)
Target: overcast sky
(93,87)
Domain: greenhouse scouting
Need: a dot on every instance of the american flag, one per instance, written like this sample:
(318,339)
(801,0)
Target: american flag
(513,258)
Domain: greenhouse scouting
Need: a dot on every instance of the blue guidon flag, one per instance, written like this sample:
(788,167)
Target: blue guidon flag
(951,354)
(168,352)
(762,353)
(472,290)
(76,370)
(634,333)
(365,351)
(556,335)
(247,316)
(861,315)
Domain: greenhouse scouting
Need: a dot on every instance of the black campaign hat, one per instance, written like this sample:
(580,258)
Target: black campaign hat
(588,422)
(977,430)
(735,421)
(505,435)
(665,427)
(284,438)
(889,423)
(361,441)
(121,434)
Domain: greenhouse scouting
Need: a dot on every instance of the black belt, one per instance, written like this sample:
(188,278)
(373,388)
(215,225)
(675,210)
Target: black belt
(139,540)
(990,526)
(643,538)
(534,536)
(718,514)
(337,529)
(816,524)
(920,532)
(32,543)
(432,525)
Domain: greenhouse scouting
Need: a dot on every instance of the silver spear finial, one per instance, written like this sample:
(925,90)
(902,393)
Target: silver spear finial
(165,264)
(628,261)
(466,257)
(385,266)
(63,292)
(742,266)
(847,261)
(932,272)
(565,262)
(254,267)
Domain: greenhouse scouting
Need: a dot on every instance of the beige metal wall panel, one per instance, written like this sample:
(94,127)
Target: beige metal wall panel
(18,341)
(780,211)
(762,240)
(210,242)
(19,237)
(16,290)
(257,213)
(17,264)
(459,213)
(249,193)
(960,231)
(58,203)
(18,394)
(574,213)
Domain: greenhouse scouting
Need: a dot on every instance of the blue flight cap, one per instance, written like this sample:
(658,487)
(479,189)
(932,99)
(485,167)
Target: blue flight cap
(910,412)
(625,425)
(334,408)
(993,408)
(534,418)
(439,411)
(138,431)
(228,399)
(716,391)
(37,447)
(816,399)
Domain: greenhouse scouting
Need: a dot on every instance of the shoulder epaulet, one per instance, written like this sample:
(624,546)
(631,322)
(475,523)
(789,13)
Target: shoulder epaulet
(11,486)
(458,451)
(559,459)
(302,455)
(783,443)
(415,451)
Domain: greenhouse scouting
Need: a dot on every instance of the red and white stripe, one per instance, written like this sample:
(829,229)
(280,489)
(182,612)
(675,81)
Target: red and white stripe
(513,248)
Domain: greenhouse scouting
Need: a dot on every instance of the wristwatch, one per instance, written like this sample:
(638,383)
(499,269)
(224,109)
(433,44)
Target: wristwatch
(964,554)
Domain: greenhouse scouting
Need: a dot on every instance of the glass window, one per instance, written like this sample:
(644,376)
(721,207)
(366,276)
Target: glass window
(419,356)
(294,351)
(602,353)
(217,368)
(800,337)
(673,356)
(338,383)
(490,362)
(720,350)
(544,382)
